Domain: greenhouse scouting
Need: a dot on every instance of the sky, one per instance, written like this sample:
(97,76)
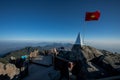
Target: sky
(59,20)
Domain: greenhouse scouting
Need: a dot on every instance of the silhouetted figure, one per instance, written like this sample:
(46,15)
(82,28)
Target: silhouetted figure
(62,66)
(19,63)
(77,71)
(22,63)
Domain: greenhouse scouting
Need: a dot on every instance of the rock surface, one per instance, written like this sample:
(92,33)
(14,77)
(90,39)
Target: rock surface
(99,63)
(9,70)
(34,54)
(90,52)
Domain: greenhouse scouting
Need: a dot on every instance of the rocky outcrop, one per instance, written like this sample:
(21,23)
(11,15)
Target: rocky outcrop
(54,51)
(34,54)
(112,58)
(97,63)
(90,52)
(101,63)
(9,70)
(2,69)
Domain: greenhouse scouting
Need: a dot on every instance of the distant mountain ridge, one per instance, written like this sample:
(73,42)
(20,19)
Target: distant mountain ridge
(57,45)
(6,47)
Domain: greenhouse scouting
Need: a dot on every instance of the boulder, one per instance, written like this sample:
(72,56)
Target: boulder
(34,54)
(11,70)
(90,52)
(2,69)
(8,69)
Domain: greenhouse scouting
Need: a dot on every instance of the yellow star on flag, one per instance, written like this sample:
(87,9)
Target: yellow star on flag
(92,16)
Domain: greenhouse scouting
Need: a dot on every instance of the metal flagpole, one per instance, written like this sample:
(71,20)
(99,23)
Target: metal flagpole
(83,40)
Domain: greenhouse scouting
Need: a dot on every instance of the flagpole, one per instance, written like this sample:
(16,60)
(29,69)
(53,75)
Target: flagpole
(90,16)
(84,30)
(83,40)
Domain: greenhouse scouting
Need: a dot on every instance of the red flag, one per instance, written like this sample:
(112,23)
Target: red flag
(92,16)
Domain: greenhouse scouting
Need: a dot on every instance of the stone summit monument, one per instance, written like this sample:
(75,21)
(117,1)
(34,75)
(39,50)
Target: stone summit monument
(76,49)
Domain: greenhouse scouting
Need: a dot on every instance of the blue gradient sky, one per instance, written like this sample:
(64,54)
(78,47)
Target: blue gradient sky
(59,20)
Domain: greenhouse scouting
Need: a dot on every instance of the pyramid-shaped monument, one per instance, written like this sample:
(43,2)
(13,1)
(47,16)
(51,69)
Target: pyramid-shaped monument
(78,40)
(77,44)
(77,50)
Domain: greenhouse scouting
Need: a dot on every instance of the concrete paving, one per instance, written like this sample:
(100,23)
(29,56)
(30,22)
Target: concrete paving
(39,72)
